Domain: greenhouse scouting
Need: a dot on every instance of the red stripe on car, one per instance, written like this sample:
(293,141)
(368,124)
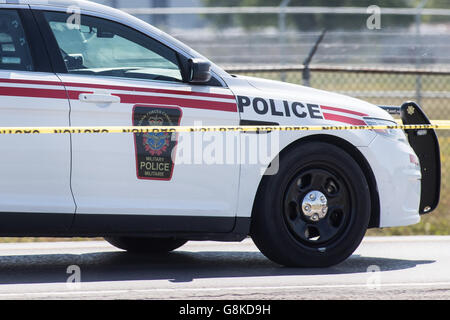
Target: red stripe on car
(33,93)
(151,90)
(356,113)
(186,103)
(120,88)
(125,98)
(344,119)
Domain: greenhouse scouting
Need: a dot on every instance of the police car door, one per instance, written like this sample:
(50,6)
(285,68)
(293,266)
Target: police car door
(127,78)
(34,169)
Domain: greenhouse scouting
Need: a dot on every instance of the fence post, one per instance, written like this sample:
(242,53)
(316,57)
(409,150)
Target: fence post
(306,75)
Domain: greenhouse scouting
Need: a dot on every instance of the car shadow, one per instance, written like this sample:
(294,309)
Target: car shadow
(178,266)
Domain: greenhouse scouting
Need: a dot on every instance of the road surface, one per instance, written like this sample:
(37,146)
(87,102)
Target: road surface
(381,268)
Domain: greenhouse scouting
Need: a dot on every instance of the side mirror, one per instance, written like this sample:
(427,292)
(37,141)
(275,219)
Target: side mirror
(199,71)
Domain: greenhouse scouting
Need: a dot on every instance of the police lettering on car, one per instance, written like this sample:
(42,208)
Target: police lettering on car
(278,108)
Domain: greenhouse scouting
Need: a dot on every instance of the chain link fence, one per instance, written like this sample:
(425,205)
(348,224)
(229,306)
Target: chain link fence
(383,86)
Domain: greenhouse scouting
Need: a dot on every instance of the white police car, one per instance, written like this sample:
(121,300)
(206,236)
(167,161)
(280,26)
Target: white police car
(76,63)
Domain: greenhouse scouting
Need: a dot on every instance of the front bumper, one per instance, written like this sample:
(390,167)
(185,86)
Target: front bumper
(398,181)
(426,146)
(405,188)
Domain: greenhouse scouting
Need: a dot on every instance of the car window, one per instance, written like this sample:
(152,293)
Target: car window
(14,48)
(99,47)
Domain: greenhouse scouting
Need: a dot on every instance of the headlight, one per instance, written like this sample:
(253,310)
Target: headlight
(396,134)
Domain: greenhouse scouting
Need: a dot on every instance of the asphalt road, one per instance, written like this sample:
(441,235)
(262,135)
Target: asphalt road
(381,268)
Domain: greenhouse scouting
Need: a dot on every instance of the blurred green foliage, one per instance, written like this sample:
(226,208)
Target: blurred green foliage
(320,21)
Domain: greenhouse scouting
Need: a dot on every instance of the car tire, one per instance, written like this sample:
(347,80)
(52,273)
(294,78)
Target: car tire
(146,245)
(291,229)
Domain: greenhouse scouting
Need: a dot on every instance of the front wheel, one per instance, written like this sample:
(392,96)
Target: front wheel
(315,211)
(146,245)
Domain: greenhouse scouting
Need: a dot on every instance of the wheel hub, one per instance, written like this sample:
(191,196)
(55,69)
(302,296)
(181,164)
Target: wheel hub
(315,206)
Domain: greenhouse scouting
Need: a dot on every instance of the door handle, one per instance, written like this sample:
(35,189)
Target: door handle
(99,98)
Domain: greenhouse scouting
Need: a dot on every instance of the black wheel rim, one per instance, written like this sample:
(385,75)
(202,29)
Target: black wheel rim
(331,183)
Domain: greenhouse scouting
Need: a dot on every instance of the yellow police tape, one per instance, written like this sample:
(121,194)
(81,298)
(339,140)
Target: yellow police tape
(436,125)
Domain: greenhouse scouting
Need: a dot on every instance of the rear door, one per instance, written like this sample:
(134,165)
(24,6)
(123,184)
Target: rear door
(133,181)
(34,169)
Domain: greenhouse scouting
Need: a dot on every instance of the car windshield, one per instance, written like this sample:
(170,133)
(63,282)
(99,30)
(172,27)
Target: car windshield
(103,48)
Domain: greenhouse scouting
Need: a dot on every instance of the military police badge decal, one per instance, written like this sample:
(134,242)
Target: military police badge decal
(154,150)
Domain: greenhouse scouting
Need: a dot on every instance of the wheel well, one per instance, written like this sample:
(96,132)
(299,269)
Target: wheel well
(357,156)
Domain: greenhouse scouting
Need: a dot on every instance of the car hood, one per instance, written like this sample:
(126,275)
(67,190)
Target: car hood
(286,91)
